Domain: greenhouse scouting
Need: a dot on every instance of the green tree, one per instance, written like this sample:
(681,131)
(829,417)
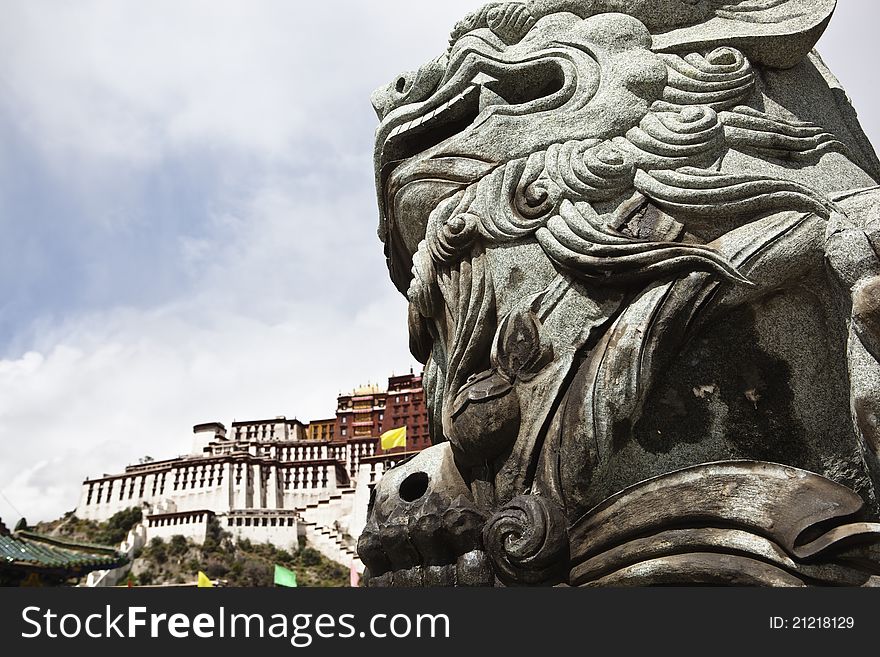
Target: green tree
(309,556)
(156,551)
(177,545)
(213,536)
(117,527)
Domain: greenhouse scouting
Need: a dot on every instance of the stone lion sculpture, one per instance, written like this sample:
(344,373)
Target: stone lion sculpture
(639,240)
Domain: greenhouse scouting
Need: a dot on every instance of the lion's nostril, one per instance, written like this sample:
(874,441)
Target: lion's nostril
(414,486)
(400,85)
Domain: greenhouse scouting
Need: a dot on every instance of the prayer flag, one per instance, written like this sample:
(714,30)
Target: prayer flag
(355,577)
(394,438)
(285,577)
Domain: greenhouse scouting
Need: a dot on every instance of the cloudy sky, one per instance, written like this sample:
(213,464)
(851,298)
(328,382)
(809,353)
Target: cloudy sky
(188,218)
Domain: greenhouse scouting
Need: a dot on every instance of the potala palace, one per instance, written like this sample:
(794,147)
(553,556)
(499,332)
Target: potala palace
(279,481)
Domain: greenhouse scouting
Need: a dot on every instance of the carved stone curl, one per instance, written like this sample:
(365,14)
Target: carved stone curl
(527,541)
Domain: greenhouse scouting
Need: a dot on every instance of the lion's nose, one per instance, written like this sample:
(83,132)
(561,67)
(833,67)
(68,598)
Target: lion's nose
(385,99)
(393,95)
(409,87)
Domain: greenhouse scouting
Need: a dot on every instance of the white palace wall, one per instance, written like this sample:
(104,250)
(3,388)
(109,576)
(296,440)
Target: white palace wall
(258,487)
(191,486)
(280,528)
(240,481)
(189,524)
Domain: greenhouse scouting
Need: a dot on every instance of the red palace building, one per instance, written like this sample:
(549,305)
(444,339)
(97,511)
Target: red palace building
(368,411)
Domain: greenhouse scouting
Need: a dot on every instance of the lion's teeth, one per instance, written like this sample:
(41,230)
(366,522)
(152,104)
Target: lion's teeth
(409,125)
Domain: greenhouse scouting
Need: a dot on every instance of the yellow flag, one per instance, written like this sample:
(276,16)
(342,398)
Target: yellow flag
(204,582)
(394,438)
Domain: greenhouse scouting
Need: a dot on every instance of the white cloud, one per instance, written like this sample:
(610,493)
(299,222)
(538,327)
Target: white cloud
(848,49)
(130,81)
(123,384)
(255,116)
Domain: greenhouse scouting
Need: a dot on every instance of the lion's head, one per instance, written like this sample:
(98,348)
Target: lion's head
(573,190)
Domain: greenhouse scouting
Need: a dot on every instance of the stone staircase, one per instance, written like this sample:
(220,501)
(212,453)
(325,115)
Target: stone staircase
(322,529)
(135,541)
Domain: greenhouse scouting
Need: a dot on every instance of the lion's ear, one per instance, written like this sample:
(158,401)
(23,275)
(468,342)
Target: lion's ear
(777,33)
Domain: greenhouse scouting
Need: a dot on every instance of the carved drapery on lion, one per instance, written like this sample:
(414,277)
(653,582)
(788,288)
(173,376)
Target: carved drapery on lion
(639,239)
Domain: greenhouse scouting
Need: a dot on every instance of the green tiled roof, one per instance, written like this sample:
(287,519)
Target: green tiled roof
(26,549)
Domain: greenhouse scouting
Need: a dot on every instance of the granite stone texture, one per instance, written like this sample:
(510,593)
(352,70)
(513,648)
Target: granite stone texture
(639,239)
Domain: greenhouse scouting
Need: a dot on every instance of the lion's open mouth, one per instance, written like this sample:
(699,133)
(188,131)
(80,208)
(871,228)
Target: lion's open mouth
(424,150)
(489,88)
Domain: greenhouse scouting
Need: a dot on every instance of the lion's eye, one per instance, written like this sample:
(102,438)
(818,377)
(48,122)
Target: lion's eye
(416,86)
(411,87)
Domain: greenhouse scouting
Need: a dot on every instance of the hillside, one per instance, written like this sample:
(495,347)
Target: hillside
(178,560)
(112,532)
